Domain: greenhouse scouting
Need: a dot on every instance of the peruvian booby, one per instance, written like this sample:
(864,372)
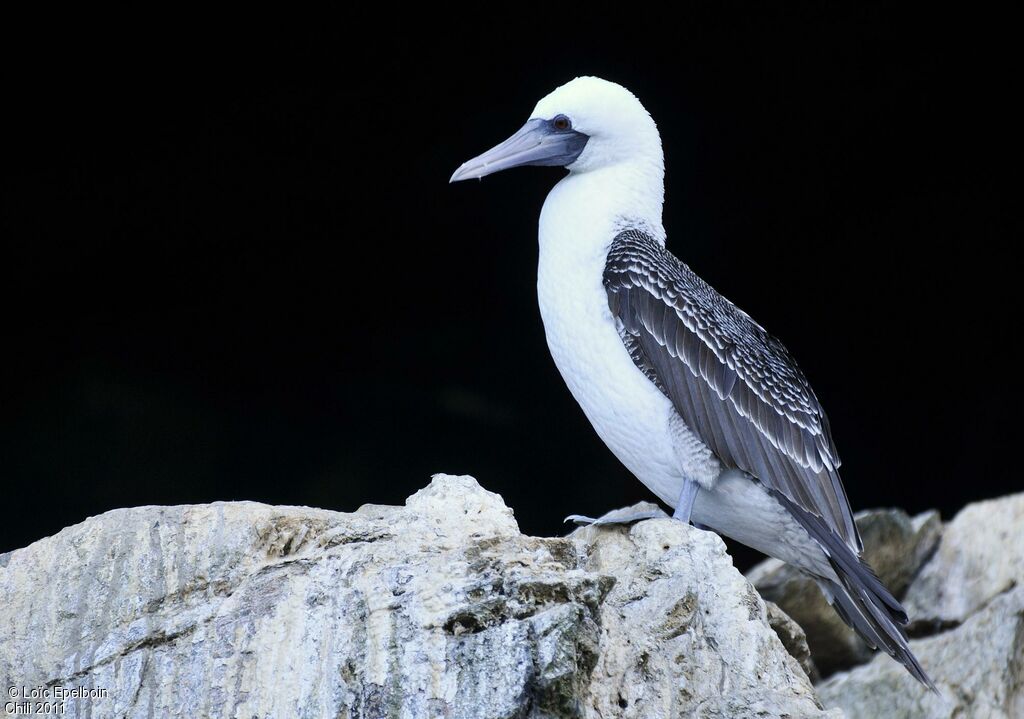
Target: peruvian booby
(705,407)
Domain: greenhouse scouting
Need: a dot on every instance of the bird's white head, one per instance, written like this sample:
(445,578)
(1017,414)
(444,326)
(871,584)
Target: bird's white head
(585,125)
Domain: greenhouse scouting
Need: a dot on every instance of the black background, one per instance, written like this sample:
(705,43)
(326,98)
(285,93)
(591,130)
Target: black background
(233,267)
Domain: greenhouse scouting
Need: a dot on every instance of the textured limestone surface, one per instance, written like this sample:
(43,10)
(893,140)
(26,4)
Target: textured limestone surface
(963,587)
(683,634)
(793,637)
(978,668)
(981,555)
(439,608)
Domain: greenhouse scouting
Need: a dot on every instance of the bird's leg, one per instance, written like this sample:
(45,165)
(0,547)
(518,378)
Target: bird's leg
(684,507)
(616,516)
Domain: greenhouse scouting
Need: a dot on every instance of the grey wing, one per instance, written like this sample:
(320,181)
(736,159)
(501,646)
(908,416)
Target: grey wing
(735,385)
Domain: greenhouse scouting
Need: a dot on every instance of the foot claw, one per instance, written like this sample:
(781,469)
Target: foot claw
(616,516)
(581,520)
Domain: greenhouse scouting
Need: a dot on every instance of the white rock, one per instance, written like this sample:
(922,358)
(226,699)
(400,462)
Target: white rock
(683,634)
(981,555)
(978,668)
(792,635)
(440,608)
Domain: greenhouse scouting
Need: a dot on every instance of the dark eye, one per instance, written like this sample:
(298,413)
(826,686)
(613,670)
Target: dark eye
(561,122)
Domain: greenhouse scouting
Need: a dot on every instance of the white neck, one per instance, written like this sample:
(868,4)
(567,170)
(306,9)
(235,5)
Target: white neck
(584,212)
(581,216)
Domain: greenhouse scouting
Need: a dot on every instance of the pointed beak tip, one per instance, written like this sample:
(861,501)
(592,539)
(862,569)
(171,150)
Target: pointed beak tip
(463,173)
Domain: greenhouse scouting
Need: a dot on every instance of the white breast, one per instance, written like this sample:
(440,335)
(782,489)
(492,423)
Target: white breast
(628,411)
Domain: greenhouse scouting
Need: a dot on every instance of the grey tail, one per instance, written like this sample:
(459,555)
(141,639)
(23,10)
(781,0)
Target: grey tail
(860,598)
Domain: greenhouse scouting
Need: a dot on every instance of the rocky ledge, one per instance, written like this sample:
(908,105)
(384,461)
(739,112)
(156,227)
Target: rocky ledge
(962,584)
(442,608)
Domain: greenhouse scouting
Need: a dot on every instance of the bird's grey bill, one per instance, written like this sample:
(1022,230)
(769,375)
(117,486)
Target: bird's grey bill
(536,143)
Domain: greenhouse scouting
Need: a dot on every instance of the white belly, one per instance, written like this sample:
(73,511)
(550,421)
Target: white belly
(740,508)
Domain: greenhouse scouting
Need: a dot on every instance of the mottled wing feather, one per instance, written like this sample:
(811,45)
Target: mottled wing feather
(733,384)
